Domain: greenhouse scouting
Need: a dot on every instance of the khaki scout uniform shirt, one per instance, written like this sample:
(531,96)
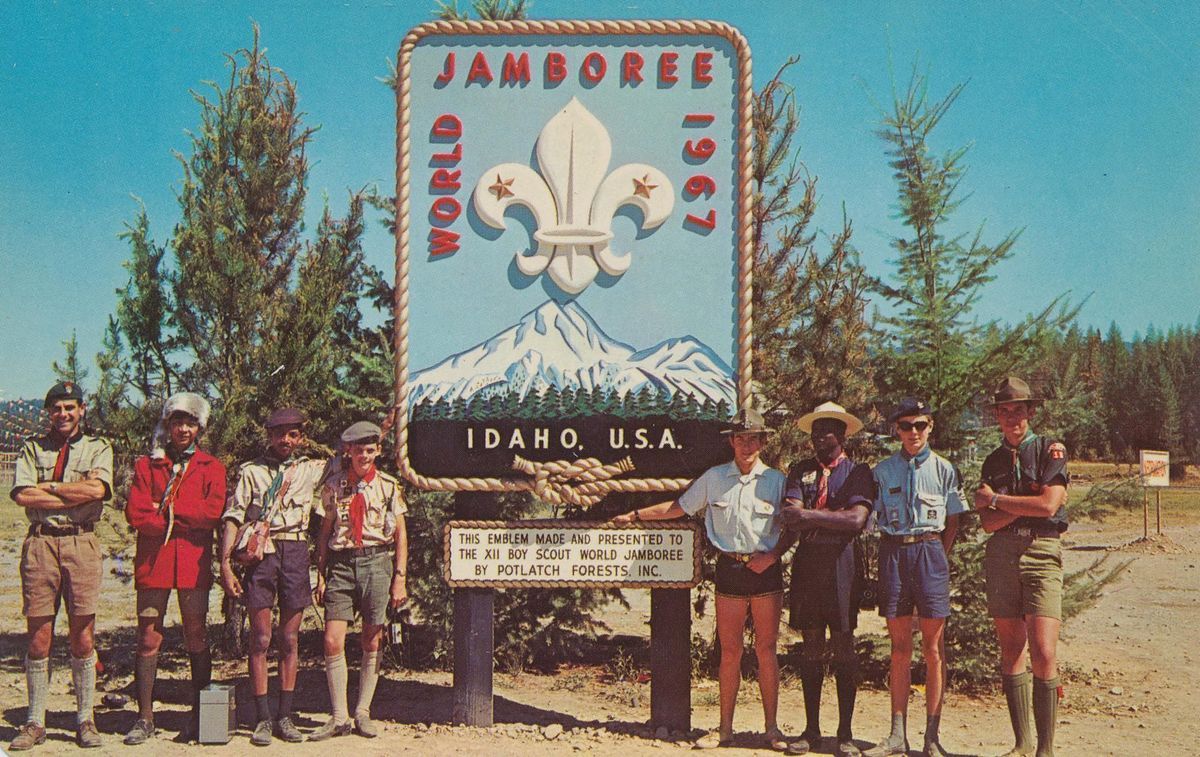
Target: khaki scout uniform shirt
(87,454)
(301,476)
(385,505)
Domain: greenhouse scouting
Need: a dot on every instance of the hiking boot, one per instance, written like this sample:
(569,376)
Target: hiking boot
(86,735)
(364,726)
(29,736)
(142,730)
(286,730)
(262,733)
(331,729)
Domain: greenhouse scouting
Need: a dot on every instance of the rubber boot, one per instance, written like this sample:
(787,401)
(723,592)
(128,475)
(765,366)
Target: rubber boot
(1018,692)
(1045,714)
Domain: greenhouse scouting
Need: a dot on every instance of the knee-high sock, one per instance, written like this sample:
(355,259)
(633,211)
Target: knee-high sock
(368,675)
(145,672)
(83,675)
(846,675)
(1018,693)
(1045,714)
(201,668)
(37,682)
(811,676)
(335,679)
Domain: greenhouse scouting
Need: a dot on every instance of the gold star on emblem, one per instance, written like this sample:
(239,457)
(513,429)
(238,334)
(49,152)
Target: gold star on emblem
(643,187)
(501,188)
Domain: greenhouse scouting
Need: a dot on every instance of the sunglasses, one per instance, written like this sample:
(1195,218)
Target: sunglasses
(906,426)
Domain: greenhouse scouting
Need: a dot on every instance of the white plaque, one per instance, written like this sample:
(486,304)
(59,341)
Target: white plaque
(501,554)
(1155,467)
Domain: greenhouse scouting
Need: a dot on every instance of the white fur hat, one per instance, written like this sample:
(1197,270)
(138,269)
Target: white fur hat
(180,402)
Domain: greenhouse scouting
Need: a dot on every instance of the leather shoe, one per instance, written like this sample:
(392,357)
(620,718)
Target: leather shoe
(330,730)
(142,730)
(29,736)
(262,733)
(286,730)
(86,735)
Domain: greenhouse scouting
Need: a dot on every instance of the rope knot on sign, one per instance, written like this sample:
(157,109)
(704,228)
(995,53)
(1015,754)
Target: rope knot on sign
(581,483)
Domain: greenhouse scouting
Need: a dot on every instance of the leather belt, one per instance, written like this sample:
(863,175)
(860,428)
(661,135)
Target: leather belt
(291,536)
(740,557)
(1037,532)
(912,538)
(374,549)
(47,529)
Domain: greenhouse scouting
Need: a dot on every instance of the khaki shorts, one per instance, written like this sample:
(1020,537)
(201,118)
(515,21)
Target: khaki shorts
(58,567)
(1024,576)
(152,603)
(362,584)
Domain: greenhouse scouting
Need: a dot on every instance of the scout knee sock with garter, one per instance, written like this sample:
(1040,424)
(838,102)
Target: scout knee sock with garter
(1045,714)
(37,680)
(368,675)
(145,672)
(846,675)
(201,669)
(811,676)
(1018,692)
(335,678)
(83,676)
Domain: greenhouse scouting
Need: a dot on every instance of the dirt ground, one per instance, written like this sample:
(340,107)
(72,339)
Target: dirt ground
(1133,680)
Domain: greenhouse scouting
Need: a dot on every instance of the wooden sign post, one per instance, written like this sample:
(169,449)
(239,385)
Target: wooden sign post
(573,260)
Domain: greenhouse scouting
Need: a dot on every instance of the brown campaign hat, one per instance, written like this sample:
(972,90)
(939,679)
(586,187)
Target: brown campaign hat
(1013,389)
(748,421)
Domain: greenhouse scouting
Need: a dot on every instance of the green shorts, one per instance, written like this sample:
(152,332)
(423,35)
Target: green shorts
(1024,576)
(360,584)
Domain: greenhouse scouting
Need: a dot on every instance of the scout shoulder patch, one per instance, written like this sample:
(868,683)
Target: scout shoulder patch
(809,478)
(894,490)
(1057,451)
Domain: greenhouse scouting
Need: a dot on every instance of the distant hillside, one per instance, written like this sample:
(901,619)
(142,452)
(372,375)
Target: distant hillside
(19,419)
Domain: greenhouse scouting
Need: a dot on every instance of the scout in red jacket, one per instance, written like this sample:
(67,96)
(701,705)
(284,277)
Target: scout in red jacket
(175,504)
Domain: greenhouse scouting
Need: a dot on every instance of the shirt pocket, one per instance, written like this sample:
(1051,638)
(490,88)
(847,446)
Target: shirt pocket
(724,516)
(931,511)
(893,507)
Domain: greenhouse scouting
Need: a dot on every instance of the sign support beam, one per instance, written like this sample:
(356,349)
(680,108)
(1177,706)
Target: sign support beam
(670,659)
(474,641)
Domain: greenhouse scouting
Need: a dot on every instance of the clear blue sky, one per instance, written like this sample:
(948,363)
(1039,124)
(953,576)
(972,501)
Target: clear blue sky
(1083,118)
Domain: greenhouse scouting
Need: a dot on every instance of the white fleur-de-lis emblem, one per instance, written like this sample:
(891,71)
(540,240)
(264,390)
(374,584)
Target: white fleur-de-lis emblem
(573,202)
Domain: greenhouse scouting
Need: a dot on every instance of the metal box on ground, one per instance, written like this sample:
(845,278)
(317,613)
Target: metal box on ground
(218,713)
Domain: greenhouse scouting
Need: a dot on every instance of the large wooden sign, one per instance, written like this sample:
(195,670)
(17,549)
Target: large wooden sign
(573,258)
(526,554)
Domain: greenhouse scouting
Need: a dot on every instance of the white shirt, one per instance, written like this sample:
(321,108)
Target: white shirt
(741,511)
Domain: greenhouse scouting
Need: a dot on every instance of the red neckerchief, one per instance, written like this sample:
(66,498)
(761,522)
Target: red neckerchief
(64,454)
(358,503)
(823,484)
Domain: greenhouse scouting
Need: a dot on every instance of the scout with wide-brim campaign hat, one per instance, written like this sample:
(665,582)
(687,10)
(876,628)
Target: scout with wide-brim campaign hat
(1013,389)
(831,410)
(910,406)
(748,421)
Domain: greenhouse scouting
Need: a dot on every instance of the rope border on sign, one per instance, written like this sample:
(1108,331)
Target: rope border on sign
(676,525)
(402,208)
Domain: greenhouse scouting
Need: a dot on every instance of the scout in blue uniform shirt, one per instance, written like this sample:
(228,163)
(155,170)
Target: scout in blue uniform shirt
(1021,502)
(828,499)
(740,501)
(917,504)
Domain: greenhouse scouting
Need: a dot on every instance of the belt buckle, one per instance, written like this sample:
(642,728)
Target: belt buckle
(1024,531)
(744,559)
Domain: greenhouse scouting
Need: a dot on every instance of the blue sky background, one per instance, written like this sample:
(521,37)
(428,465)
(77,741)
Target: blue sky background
(1083,118)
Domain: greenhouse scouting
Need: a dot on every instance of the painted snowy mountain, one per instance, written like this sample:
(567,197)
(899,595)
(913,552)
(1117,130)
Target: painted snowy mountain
(560,347)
